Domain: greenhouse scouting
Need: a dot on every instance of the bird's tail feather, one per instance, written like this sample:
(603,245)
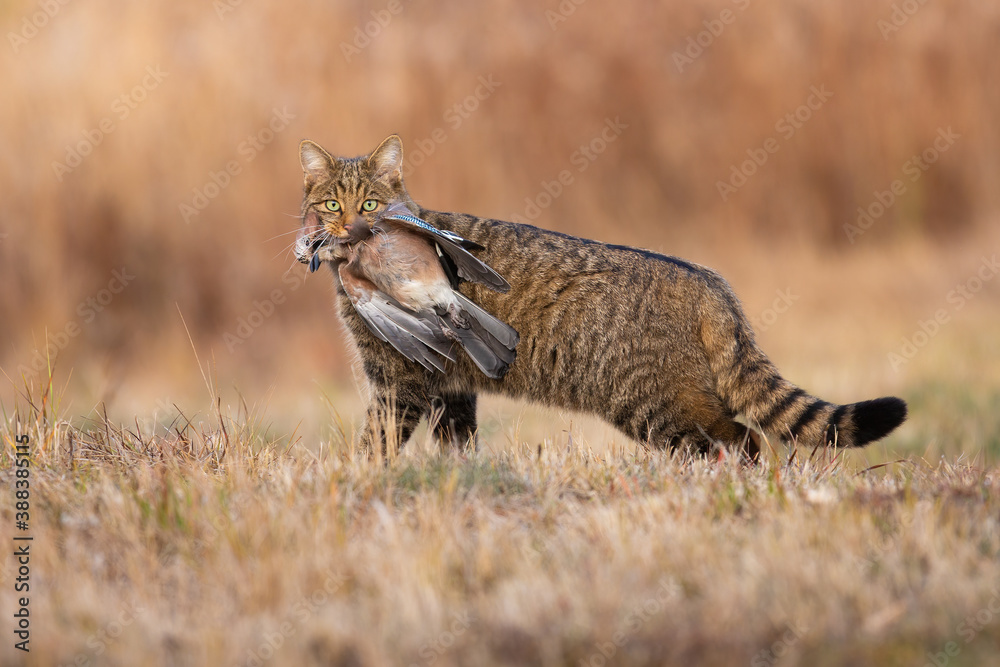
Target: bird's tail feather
(505,334)
(489,342)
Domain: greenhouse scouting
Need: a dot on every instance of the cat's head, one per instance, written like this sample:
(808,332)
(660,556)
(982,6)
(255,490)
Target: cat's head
(345,194)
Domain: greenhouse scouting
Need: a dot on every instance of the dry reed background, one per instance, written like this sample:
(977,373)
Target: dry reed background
(831,312)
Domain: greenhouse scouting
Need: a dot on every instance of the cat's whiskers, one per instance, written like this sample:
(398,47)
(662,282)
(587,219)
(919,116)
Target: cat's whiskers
(278,236)
(322,238)
(288,248)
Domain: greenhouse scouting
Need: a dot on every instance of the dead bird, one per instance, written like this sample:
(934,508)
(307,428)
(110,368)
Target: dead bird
(402,277)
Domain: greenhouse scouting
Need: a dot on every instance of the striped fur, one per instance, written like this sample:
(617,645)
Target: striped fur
(657,346)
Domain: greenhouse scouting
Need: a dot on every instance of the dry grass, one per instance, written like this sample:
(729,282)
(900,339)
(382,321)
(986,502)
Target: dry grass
(214,544)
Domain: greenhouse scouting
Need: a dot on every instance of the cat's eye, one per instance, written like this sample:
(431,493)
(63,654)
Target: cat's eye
(369,205)
(333,205)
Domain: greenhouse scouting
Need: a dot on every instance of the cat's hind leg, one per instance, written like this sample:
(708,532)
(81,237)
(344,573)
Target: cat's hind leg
(707,425)
(734,437)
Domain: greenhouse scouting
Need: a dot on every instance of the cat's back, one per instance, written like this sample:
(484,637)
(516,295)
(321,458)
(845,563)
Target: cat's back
(538,260)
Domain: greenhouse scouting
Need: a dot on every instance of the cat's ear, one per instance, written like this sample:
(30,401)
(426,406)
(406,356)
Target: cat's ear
(387,159)
(316,162)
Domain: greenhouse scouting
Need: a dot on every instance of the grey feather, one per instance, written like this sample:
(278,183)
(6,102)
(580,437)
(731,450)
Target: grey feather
(457,248)
(417,336)
(480,352)
(504,333)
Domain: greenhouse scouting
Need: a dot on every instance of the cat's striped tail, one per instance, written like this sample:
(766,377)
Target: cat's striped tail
(750,385)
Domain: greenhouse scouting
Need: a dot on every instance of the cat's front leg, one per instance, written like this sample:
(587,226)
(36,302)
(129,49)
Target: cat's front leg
(392,415)
(456,423)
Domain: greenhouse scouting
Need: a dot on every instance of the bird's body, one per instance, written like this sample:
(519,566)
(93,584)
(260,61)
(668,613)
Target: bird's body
(402,276)
(405,266)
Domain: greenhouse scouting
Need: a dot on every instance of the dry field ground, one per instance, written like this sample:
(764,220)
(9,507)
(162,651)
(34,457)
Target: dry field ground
(213,545)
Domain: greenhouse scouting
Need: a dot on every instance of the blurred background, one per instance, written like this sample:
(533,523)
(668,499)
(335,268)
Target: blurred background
(837,162)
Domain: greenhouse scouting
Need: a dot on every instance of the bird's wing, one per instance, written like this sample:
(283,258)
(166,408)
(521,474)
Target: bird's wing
(490,343)
(451,245)
(500,330)
(417,336)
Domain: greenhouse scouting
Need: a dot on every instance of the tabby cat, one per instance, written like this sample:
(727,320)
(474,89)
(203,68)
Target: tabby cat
(656,346)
